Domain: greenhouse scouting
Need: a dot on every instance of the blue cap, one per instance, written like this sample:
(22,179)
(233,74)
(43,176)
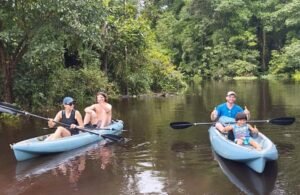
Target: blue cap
(68,100)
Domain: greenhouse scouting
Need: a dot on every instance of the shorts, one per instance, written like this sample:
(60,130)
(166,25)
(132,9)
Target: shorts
(90,126)
(73,131)
(246,140)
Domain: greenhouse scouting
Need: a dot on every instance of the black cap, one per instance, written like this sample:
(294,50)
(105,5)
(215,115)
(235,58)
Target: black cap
(240,115)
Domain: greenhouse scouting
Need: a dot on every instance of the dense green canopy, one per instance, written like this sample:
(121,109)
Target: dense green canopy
(49,49)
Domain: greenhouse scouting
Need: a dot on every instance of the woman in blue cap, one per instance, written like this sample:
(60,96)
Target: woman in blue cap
(68,116)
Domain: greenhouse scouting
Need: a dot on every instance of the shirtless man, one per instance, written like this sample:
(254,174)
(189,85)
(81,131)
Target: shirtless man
(98,115)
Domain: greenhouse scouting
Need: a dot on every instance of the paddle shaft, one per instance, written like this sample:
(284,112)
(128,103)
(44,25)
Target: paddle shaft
(44,118)
(276,121)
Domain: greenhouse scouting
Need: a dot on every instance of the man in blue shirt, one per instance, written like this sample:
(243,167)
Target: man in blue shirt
(227,111)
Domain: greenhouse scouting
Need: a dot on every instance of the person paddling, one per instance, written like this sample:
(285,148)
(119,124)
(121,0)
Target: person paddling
(226,112)
(68,116)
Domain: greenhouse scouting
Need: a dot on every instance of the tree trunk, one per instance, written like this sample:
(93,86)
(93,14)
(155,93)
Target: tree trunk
(5,72)
(264,51)
(8,83)
(6,69)
(105,62)
(105,53)
(8,64)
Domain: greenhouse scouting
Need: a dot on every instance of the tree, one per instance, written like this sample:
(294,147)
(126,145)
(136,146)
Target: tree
(26,25)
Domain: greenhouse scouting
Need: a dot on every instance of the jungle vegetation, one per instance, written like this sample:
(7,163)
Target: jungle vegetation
(50,49)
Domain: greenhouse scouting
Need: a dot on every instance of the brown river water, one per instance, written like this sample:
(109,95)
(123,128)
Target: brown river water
(156,159)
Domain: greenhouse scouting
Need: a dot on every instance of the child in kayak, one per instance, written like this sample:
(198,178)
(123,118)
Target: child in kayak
(226,112)
(242,130)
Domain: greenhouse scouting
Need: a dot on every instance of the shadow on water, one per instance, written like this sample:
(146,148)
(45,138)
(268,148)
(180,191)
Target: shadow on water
(181,146)
(285,148)
(247,180)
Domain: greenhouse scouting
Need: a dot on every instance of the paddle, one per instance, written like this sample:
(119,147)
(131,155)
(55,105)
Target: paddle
(276,121)
(7,105)
(11,109)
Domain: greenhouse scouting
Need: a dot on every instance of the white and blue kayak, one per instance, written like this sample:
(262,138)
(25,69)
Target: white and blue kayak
(34,147)
(255,159)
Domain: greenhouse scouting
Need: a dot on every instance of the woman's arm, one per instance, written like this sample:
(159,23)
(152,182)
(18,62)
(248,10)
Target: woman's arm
(79,119)
(57,118)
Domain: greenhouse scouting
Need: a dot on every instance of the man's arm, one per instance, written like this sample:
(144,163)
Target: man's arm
(90,109)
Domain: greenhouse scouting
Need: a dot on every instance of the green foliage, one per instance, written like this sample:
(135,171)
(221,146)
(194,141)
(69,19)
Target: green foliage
(296,76)
(44,87)
(9,118)
(286,61)
(242,68)
(121,46)
(139,82)
(164,76)
(81,84)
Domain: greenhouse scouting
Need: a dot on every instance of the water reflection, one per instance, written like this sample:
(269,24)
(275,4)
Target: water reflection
(70,164)
(150,182)
(103,155)
(72,169)
(142,174)
(247,180)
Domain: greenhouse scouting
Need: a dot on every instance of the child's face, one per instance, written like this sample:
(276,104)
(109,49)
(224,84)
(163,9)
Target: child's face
(241,121)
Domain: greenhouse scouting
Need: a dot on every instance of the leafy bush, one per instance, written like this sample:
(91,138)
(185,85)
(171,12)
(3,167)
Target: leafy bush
(80,84)
(296,76)
(226,61)
(242,68)
(286,61)
(164,75)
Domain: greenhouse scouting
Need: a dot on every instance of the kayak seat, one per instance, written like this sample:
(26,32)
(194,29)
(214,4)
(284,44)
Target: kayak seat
(230,136)
(42,138)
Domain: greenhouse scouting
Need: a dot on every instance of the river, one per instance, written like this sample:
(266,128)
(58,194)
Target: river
(156,159)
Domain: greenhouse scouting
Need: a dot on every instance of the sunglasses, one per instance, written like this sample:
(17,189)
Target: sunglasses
(71,104)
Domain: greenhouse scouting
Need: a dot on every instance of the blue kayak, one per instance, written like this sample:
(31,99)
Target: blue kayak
(34,147)
(253,158)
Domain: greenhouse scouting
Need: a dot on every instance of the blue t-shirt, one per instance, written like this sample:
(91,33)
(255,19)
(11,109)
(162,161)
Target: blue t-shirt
(223,110)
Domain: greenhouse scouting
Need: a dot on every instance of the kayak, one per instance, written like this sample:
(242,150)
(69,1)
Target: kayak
(253,158)
(245,179)
(35,147)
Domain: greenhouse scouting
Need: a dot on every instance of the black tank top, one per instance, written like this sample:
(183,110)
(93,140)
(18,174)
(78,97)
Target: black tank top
(69,121)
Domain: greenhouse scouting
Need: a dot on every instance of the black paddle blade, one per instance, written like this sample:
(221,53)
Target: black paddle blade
(113,137)
(283,121)
(180,125)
